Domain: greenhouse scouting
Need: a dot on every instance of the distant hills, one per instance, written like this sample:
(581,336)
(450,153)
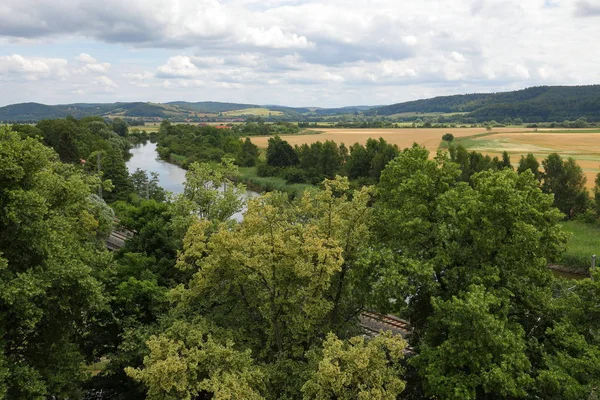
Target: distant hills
(536,104)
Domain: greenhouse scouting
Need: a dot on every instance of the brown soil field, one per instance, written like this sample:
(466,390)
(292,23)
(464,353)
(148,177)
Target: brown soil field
(403,137)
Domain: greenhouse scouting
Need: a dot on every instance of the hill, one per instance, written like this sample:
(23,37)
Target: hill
(30,112)
(211,107)
(535,104)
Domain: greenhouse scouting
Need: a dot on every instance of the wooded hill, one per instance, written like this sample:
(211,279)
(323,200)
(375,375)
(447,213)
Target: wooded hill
(535,104)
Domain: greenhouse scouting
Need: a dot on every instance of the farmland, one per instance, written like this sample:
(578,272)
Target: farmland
(260,111)
(404,137)
(581,144)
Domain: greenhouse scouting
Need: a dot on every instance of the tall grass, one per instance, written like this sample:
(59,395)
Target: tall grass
(271,183)
(584,241)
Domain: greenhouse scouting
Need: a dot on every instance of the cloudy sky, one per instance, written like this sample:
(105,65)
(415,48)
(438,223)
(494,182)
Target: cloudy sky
(291,52)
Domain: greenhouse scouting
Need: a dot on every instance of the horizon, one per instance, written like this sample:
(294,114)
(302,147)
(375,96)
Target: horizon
(278,105)
(264,53)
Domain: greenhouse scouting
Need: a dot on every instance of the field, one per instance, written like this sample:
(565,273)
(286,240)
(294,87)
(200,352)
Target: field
(264,112)
(581,144)
(403,137)
(584,241)
(269,183)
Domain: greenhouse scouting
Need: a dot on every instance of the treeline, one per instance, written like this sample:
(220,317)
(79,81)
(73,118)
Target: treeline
(258,127)
(199,306)
(536,104)
(317,161)
(563,178)
(91,143)
(184,144)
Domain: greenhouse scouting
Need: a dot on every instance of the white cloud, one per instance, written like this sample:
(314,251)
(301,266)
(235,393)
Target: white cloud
(105,82)
(179,67)
(296,51)
(86,58)
(32,68)
(90,64)
(138,76)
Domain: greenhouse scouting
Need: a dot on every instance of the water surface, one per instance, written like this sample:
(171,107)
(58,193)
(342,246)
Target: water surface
(170,176)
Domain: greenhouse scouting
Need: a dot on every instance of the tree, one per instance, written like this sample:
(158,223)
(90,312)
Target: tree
(112,167)
(566,180)
(472,350)
(505,161)
(193,359)
(147,187)
(49,255)
(356,369)
(249,154)
(280,153)
(530,163)
(448,137)
(120,127)
(597,194)
(280,279)
(498,233)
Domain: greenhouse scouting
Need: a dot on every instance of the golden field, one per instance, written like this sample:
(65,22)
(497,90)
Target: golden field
(581,144)
(403,137)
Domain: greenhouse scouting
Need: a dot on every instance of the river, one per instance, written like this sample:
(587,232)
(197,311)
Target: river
(170,176)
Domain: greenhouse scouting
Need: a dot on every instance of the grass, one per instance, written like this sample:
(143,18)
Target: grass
(584,241)
(581,144)
(271,183)
(96,368)
(252,111)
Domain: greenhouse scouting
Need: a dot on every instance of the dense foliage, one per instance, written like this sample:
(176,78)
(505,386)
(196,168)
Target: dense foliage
(184,144)
(199,305)
(317,161)
(51,248)
(536,104)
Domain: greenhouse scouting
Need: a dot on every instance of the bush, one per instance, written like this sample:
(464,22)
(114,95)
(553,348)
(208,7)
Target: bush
(265,170)
(448,137)
(293,175)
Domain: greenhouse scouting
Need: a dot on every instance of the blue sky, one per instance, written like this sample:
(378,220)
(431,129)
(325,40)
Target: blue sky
(298,53)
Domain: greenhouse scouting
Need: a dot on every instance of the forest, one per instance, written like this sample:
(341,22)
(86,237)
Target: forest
(199,306)
(531,105)
(535,104)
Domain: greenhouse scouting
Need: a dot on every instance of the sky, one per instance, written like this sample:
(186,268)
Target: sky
(327,53)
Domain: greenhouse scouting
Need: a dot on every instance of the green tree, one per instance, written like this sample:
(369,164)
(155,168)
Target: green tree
(280,279)
(49,255)
(566,180)
(499,233)
(448,137)
(505,161)
(209,193)
(357,369)
(280,153)
(597,194)
(147,186)
(120,127)
(472,350)
(530,163)
(193,359)
(249,154)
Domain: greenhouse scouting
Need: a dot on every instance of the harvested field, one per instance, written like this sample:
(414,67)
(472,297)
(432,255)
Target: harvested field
(403,137)
(582,145)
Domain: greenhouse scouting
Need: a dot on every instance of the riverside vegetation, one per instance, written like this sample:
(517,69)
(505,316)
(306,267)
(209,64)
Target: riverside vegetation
(197,305)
